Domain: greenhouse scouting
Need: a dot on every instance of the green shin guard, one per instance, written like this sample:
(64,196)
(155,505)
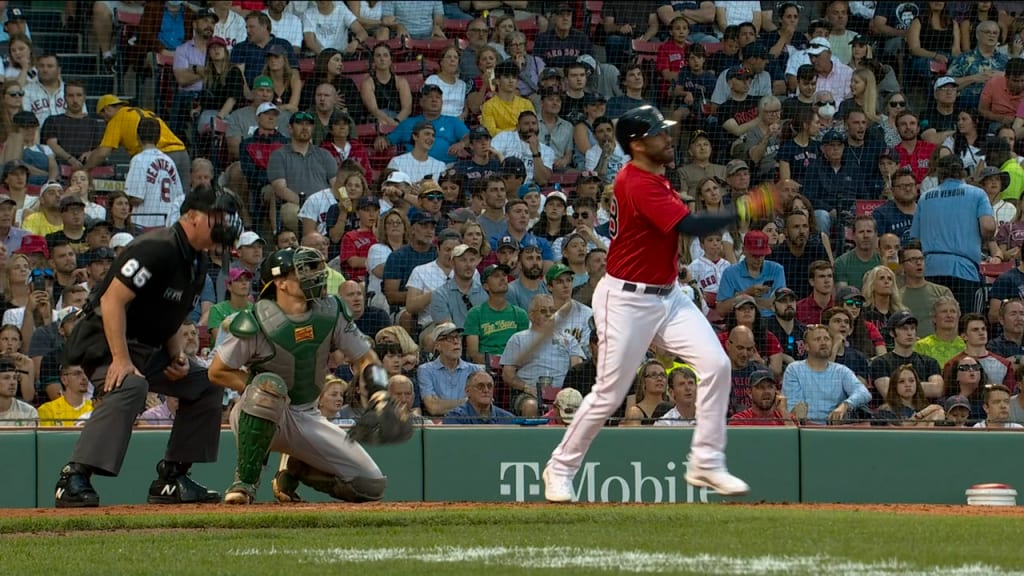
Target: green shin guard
(254,437)
(261,408)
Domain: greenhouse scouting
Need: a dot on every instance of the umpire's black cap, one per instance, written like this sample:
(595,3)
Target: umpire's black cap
(639,123)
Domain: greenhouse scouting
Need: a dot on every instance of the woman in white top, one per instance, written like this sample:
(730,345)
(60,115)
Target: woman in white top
(392,234)
(453,89)
(968,141)
(81,185)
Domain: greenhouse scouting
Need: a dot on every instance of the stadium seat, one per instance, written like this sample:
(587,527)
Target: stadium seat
(97,172)
(430,67)
(78,64)
(355,67)
(416,82)
(455,28)
(43,20)
(713,47)
(56,43)
(367,133)
(407,68)
(592,20)
(395,44)
(993,271)
(529,27)
(306,67)
(430,48)
(865,207)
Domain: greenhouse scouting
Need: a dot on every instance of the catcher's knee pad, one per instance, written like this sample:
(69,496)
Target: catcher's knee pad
(261,408)
(359,489)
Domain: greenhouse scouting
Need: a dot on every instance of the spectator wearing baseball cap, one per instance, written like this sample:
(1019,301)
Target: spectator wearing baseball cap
(123,130)
(452,301)
(356,243)
(417,162)
(553,129)
(939,121)
(450,132)
(753,276)
(788,330)
(490,324)
(902,328)
(239,286)
(831,184)
(563,41)
(755,59)
(567,402)
(47,219)
(97,263)
(482,161)
(561,279)
(298,170)
(767,405)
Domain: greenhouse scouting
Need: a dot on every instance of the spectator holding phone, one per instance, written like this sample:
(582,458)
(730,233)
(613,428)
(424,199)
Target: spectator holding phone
(753,276)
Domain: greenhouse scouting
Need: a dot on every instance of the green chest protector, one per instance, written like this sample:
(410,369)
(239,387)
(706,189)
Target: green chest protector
(301,344)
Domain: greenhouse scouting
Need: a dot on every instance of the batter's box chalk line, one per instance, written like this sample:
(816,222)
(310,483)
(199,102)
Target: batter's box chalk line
(625,561)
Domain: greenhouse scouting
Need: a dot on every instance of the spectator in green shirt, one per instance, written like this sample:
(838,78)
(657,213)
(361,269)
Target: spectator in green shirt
(945,343)
(489,325)
(852,265)
(239,286)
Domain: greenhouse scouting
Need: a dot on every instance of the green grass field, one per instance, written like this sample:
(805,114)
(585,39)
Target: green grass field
(508,540)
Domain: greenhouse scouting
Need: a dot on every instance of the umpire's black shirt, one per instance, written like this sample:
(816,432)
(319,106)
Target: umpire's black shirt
(166,274)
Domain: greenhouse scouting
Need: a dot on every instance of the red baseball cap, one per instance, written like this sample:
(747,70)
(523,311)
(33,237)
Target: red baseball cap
(34,244)
(755,243)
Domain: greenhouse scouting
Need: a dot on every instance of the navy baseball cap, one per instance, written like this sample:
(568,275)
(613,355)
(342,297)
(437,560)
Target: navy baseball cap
(422,218)
(512,166)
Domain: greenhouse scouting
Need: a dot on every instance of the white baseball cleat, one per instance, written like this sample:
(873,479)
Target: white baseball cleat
(717,479)
(557,488)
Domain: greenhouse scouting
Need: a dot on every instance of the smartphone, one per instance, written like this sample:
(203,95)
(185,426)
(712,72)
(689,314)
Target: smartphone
(39,283)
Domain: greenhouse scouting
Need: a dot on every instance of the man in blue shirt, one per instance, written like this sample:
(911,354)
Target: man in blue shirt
(443,380)
(753,276)
(479,406)
(451,136)
(897,215)
(951,221)
(250,56)
(829,391)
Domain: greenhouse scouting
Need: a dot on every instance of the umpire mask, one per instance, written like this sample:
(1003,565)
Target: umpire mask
(209,201)
(311,271)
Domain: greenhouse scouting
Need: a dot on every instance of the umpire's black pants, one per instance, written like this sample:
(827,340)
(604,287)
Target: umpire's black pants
(195,434)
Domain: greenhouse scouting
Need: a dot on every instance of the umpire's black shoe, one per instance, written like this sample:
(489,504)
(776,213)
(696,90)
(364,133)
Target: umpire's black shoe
(74,489)
(173,486)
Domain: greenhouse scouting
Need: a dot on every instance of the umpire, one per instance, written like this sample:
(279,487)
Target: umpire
(127,340)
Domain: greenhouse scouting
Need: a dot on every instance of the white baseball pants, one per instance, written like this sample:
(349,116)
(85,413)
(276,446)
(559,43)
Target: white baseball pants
(627,323)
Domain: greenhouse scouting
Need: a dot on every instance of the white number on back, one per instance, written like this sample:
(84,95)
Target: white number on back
(139,275)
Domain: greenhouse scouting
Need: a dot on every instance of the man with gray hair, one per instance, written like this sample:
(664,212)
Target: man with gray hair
(973,69)
(539,376)
(760,145)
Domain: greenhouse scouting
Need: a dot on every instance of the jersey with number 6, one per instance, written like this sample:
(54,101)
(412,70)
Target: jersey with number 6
(153,178)
(643,217)
(166,274)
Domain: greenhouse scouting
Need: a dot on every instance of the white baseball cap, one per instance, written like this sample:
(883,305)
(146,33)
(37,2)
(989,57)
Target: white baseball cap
(818,45)
(248,238)
(120,239)
(266,107)
(942,81)
(399,177)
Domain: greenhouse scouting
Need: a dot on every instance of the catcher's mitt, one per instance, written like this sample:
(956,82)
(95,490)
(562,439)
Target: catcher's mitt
(759,204)
(384,422)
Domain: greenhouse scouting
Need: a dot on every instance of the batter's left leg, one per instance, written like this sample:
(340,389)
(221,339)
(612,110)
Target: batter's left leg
(686,333)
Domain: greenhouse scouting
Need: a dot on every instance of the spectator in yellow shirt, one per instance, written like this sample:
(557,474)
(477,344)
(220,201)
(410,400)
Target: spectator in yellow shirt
(47,219)
(72,404)
(122,130)
(502,111)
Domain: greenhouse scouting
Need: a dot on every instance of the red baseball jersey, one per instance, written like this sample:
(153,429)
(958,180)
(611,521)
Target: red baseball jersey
(643,217)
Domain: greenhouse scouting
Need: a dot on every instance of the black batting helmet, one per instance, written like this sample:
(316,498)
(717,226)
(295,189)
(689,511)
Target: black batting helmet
(639,123)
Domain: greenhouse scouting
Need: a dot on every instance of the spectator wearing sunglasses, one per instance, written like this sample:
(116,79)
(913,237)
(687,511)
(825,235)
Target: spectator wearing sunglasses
(974,332)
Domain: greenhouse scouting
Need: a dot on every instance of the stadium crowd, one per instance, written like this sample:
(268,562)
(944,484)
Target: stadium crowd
(453,163)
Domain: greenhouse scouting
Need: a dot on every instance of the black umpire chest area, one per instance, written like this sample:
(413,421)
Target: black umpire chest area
(177,276)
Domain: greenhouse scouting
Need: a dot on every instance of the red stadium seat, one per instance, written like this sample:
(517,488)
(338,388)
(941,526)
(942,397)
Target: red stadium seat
(353,67)
(529,27)
(994,271)
(105,172)
(429,48)
(406,68)
(366,133)
(713,47)
(416,82)
(593,18)
(379,160)
(431,67)
(645,51)
(863,207)
(306,67)
(204,336)
(395,44)
(455,28)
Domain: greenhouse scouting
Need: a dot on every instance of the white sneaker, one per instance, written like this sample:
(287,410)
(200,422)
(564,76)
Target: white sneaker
(557,488)
(717,479)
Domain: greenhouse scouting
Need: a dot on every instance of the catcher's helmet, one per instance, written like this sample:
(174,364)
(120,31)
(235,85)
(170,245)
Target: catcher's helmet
(307,264)
(639,123)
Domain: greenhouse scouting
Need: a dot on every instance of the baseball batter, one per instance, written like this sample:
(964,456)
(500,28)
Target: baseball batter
(638,302)
(285,341)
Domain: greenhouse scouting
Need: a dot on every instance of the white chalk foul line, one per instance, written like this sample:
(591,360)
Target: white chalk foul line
(626,561)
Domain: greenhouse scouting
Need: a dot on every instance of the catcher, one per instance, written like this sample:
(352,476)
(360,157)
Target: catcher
(284,341)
